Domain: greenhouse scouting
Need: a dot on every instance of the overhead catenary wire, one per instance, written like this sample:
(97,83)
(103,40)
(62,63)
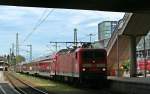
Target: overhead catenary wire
(40,21)
(44,12)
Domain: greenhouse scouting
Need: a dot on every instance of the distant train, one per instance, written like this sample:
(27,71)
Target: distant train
(142,65)
(3,66)
(70,65)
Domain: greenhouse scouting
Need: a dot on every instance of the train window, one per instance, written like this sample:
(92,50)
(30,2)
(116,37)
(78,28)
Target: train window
(93,55)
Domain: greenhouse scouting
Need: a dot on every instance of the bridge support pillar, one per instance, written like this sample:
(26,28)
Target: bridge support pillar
(133,66)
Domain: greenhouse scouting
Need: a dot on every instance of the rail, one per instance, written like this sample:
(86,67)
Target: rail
(25,90)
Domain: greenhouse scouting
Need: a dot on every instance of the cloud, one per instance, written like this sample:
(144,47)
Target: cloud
(58,26)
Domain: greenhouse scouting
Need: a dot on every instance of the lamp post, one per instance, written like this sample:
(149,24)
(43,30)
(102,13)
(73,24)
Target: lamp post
(90,35)
(145,62)
(118,72)
(75,37)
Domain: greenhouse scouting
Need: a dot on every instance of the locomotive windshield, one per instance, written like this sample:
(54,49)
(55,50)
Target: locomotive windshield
(93,55)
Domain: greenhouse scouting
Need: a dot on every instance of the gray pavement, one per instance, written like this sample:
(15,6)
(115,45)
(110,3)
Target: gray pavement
(1,76)
(5,87)
(140,80)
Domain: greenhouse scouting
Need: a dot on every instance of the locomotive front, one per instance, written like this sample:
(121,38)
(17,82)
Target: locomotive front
(92,63)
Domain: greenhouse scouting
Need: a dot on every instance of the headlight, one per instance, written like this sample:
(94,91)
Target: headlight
(103,69)
(83,69)
(93,61)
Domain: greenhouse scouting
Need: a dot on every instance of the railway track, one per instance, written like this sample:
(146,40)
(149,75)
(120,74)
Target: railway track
(21,86)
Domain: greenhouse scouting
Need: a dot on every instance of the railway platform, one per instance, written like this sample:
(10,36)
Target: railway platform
(5,86)
(140,80)
(127,85)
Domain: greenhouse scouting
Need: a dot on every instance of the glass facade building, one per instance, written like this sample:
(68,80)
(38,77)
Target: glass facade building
(140,47)
(143,55)
(105,30)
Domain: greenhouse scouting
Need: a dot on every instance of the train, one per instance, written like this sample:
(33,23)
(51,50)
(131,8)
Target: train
(71,65)
(142,65)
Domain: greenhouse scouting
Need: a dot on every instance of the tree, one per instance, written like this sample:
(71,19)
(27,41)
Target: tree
(126,65)
(19,59)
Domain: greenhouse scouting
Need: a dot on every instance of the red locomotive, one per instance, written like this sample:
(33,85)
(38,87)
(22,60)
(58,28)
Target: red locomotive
(71,65)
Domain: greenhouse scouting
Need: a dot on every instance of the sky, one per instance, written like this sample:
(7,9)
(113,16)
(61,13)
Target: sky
(55,25)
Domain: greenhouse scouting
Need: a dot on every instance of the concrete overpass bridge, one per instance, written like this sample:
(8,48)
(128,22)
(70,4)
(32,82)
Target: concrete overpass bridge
(122,45)
(103,5)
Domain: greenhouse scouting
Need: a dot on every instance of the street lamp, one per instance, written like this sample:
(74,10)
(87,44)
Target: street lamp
(145,62)
(91,36)
(118,55)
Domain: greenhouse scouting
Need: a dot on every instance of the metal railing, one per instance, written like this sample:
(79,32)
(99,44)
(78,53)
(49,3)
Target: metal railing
(118,31)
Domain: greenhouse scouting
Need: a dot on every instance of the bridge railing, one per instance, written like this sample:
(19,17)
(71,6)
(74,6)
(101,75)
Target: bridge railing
(118,31)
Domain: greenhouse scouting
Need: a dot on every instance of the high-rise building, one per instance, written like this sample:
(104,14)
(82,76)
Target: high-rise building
(105,30)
